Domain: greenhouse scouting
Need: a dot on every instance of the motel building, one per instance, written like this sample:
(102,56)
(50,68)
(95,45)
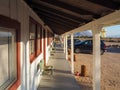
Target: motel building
(27,30)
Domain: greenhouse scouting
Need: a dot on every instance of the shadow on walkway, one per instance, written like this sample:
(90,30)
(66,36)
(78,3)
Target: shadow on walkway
(62,78)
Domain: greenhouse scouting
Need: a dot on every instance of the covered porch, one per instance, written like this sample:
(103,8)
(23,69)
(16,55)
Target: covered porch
(27,30)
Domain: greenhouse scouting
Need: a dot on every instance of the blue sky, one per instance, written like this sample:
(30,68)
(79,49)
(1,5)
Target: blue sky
(113,31)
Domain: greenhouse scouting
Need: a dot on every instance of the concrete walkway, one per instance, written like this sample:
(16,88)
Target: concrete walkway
(62,78)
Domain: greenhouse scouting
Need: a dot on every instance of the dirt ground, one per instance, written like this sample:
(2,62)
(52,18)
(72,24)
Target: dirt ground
(110,69)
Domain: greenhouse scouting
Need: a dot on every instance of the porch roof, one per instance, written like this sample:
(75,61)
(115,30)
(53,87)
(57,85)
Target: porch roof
(65,15)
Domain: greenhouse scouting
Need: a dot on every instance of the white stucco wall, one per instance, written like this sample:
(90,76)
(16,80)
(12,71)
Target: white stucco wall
(34,73)
(19,10)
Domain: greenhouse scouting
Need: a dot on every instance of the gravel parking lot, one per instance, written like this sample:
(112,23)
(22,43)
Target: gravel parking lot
(110,69)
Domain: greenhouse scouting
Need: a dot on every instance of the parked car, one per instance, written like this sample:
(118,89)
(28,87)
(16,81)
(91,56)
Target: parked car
(75,42)
(86,46)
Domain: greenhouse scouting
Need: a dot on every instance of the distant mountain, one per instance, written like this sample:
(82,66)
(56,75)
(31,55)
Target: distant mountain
(84,33)
(113,36)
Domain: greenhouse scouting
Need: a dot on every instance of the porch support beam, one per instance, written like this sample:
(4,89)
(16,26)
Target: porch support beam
(72,53)
(64,43)
(96,57)
(66,47)
(111,19)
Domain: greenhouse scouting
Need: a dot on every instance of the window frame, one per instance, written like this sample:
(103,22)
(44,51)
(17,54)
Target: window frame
(37,51)
(33,55)
(7,22)
(39,39)
(48,38)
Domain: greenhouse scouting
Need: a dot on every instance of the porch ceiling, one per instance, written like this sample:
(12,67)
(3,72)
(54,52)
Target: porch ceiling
(65,15)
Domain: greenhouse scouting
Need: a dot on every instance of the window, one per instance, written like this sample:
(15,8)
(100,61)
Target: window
(51,37)
(32,37)
(48,38)
(39,36)
(9,53)
(35,36)
(8,65)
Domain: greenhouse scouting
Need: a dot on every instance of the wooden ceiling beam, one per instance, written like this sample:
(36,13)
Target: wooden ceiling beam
(69,7)
(58,29)
(111,4)
(65,21)
(58,12)
(58,8)
(60,23)
(72,18)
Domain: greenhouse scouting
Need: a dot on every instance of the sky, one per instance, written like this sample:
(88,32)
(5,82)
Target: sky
(113,31)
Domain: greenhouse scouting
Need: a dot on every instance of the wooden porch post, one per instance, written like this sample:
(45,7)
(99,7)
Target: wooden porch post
(96,57)
(64,44)
(72,53)
(66,49)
